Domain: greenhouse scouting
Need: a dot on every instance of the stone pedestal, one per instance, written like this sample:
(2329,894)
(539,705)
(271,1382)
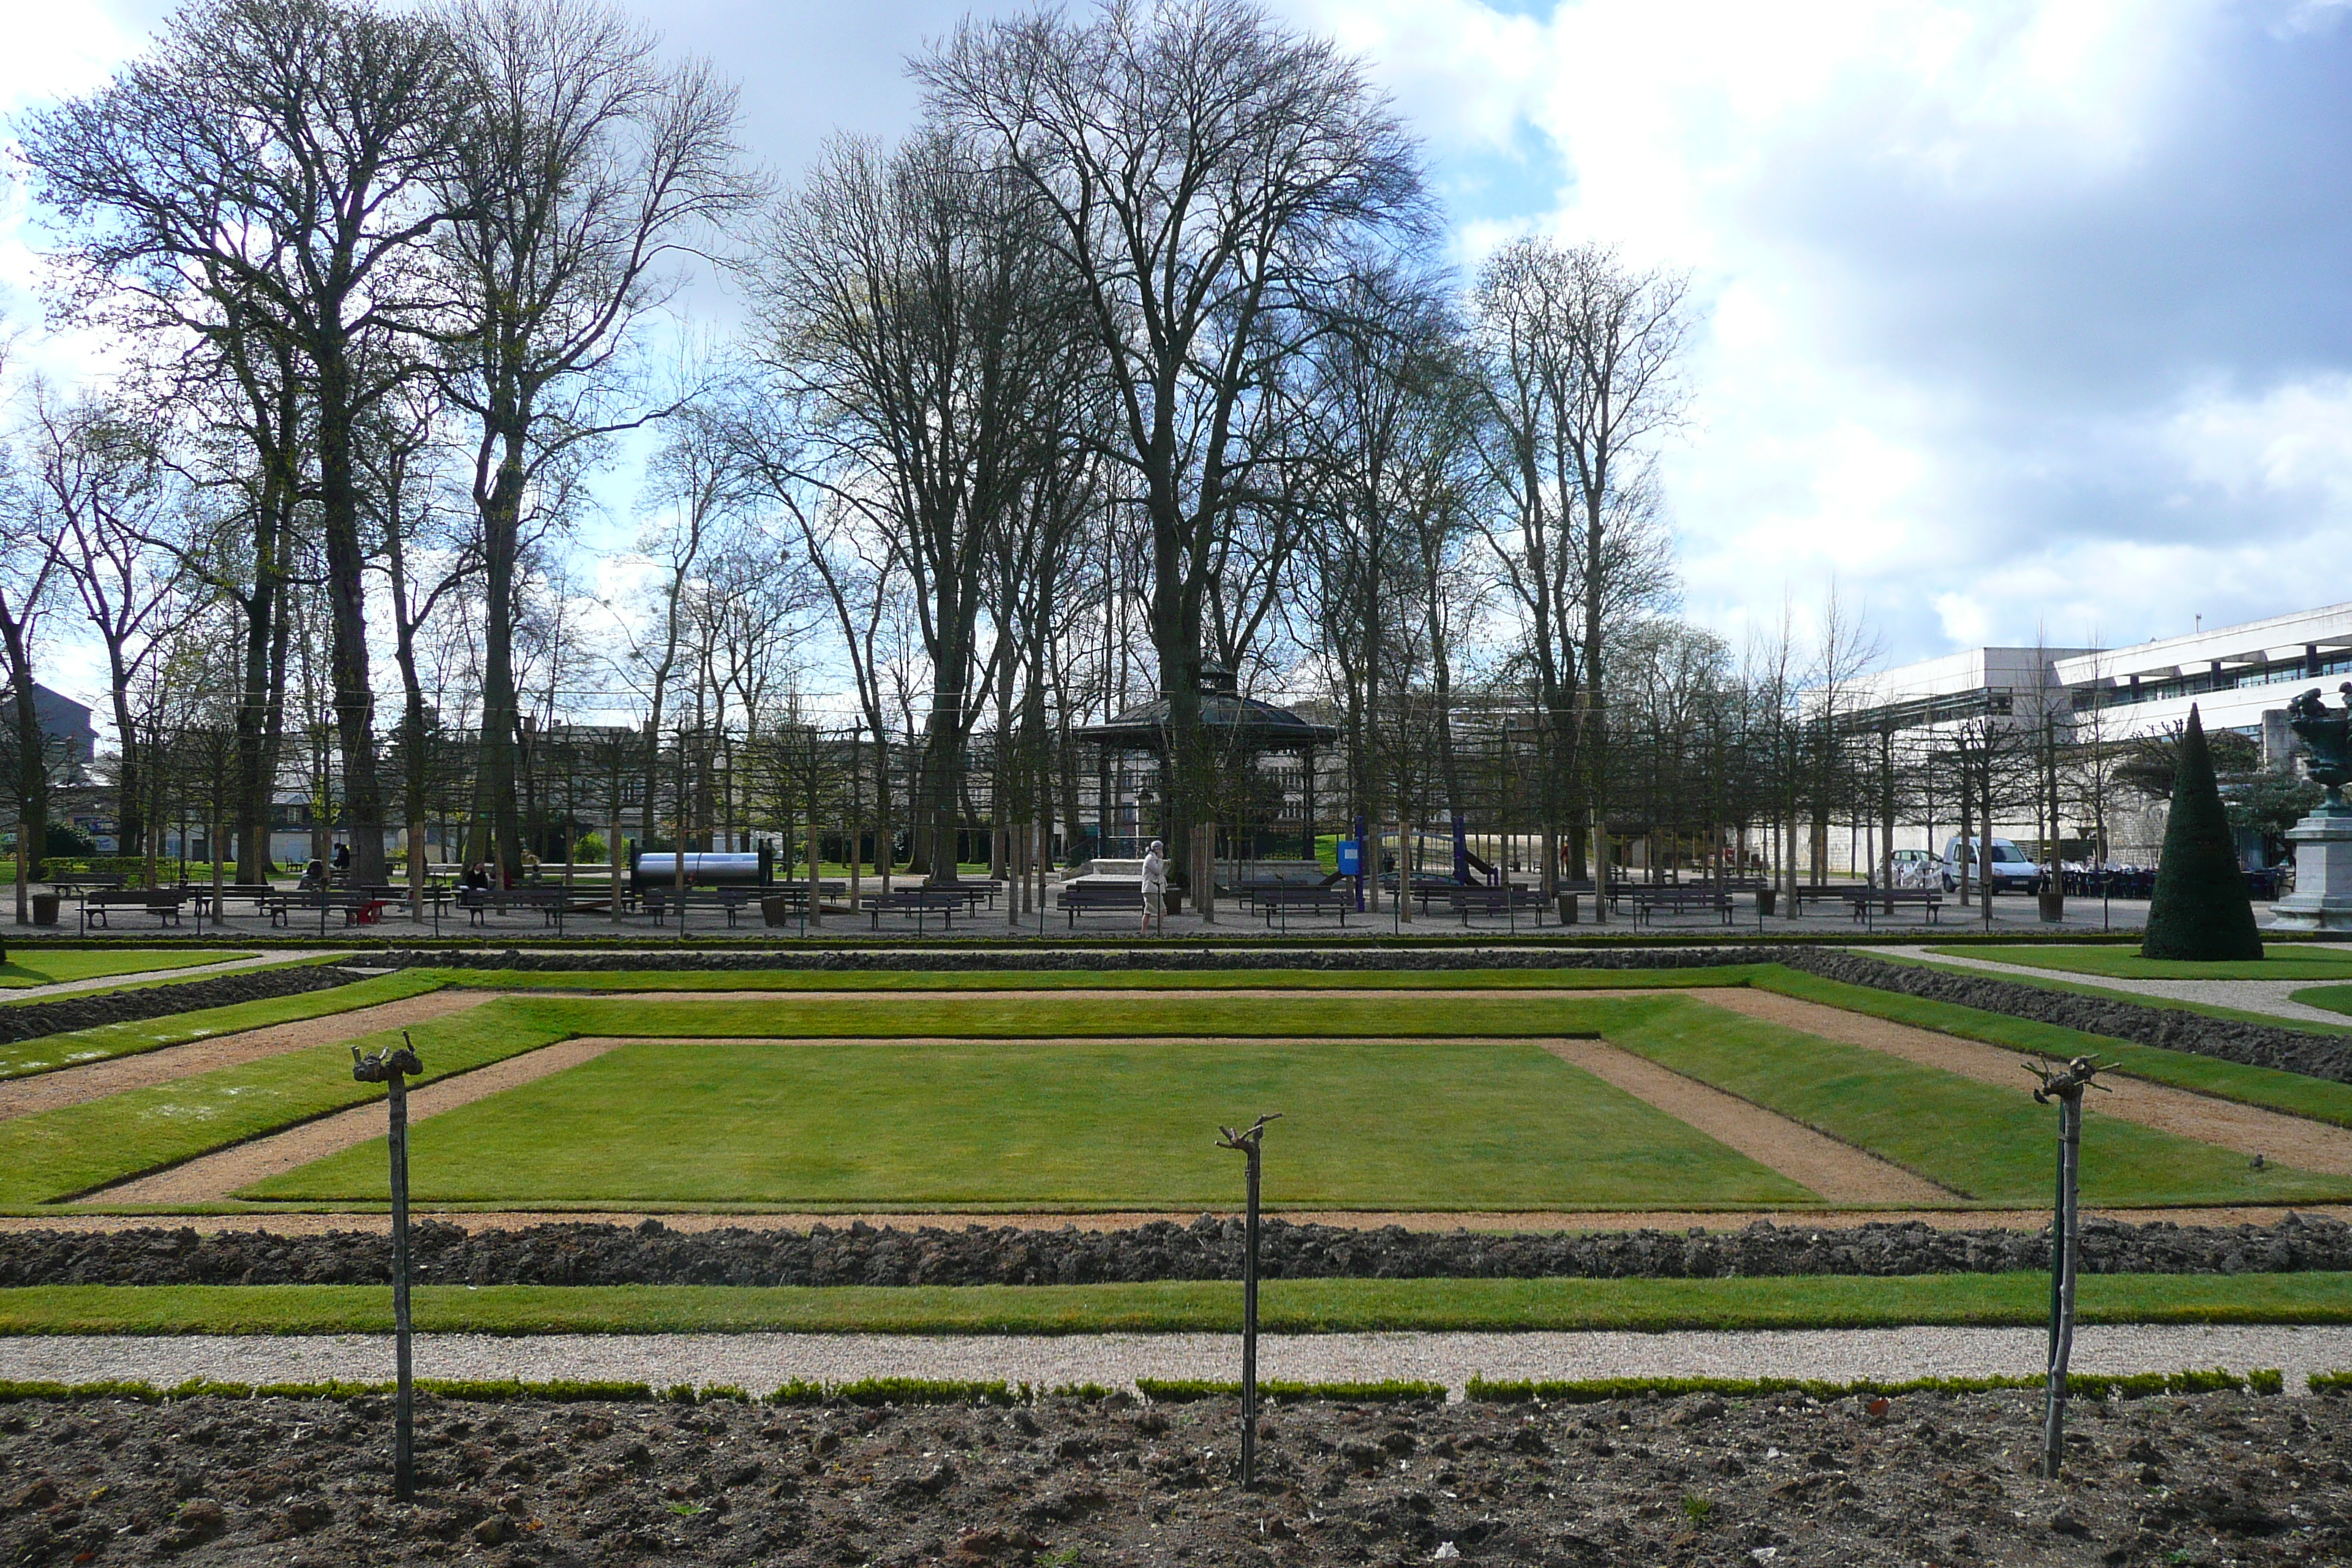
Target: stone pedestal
(2322,899)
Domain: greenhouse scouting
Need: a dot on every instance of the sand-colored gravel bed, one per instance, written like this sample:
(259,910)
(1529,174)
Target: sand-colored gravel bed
(1840,1173)
(2289,1140)
(96,1080)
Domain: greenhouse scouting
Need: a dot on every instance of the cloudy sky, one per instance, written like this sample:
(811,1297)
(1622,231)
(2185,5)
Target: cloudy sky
(2023,320)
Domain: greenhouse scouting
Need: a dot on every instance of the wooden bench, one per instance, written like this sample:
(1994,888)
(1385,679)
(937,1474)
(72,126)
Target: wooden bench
(1277,903)
(729,900)
(98,903)
(920,904)
(1506,900)
(1101,898)
(74,883)
(357,909)
(1678,898)
(1886,901)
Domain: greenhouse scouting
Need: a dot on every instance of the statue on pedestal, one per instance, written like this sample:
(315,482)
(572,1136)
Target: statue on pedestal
(2329,736)
(2322,899)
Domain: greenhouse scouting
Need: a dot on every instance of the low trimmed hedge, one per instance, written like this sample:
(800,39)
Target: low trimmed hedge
(2081,1385)
(1184,1390)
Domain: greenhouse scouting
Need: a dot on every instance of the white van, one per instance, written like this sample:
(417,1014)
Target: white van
(2011,872)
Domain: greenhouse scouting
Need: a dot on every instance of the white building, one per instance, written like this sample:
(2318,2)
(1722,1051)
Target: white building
(2239,677)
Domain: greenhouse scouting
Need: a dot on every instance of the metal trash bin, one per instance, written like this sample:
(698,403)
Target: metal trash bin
(1568,909)
(44,909)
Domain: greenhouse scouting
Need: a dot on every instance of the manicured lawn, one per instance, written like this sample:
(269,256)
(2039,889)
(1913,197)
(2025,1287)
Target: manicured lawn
(2281,961)
(2334,998)
(2293,1093)
(1286,1306)
(34,967)
(1384,1124)
(51,1052)
(1097,980)
(57,1154)
(1990,1144)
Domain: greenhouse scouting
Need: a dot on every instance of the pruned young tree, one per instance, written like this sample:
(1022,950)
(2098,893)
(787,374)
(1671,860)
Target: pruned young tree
(586,170)
(1205,176)
(273,164)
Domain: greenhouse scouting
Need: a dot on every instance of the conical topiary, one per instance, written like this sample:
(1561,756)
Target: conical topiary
(2201,910)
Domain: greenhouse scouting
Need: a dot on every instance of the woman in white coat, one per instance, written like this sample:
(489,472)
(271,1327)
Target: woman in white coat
(1155,890)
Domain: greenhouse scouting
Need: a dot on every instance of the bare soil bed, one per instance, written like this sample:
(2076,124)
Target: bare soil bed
(651,1253)
(1698,1479)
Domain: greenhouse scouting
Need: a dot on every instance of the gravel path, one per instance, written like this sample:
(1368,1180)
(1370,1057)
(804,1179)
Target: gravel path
(96,1080)
(2272,998)
(213,1177)
(139,976)
(2291,1140)
(761,1362)
(1840,1173)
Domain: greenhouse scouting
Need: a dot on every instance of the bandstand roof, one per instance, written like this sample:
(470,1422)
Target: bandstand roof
(1230,717)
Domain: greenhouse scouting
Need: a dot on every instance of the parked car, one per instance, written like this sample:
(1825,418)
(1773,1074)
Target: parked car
(2011,872)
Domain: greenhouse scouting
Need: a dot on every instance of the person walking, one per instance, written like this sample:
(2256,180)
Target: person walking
(1155,890)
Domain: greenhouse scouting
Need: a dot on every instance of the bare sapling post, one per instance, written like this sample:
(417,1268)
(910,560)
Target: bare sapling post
(2066,1088)
(1247,1142)
(392,1068)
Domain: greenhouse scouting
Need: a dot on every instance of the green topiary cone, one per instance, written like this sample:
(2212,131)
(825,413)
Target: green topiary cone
(2201,910)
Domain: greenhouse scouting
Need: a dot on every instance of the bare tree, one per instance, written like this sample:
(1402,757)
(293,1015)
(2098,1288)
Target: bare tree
(273,161)
(585,167)
(1205,174)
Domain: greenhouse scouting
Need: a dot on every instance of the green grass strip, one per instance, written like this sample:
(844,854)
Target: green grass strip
(1307,1015)
(51,1052)
(2331,1381)
(2288,963)
(2293,1093)
(1094,980)
(1287,1305)
(36,966)
(57,1153)
(2334,998)
(1987,1143)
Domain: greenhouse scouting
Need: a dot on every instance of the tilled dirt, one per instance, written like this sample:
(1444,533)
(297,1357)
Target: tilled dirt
(2198,1479)
(1210,1248)
(32,1020)
(2288,1139)
(96,1080)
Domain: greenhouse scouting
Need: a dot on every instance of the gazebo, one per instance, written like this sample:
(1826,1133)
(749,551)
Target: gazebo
(1237,726)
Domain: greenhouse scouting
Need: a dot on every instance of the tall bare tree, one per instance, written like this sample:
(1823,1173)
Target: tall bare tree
(1205,174)
(277,160)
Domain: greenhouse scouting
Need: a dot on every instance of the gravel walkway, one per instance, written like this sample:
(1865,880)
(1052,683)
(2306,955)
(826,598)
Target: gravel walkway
(2271,998)
(2291,1140)
(761,1362)
(141,977)
(1840,1173)
(96,1080)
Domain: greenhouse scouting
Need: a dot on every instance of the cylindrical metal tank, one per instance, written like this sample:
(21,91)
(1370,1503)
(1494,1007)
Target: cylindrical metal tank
(703,868)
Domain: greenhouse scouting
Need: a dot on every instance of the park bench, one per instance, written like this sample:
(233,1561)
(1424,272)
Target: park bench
(784,903)
(1886,901)
(99,903)
(259,892)
(1506,900)
(357,909)
(1678,898)
(729,901)
(1276,903)
(1101,898)
(920,903)
(76,882)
